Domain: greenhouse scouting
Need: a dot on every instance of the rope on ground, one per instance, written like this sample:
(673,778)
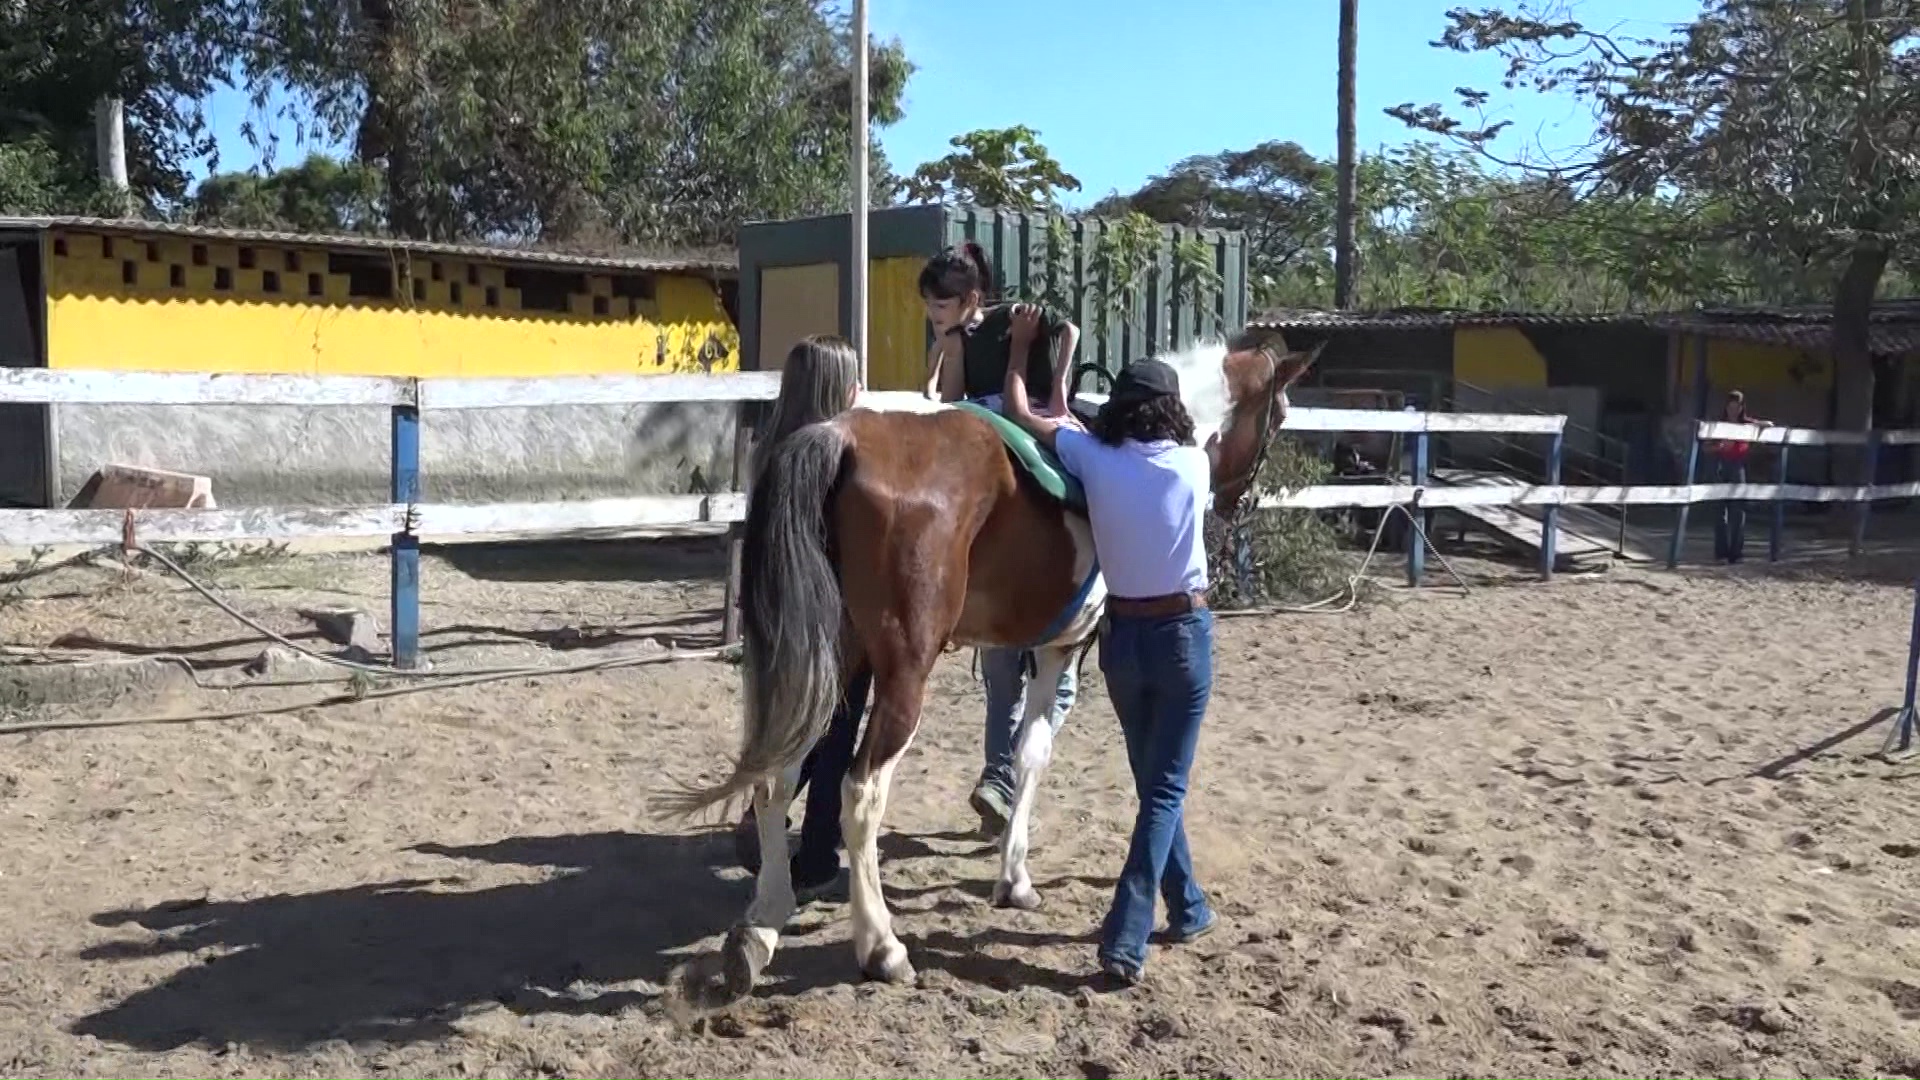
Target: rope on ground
(441,678)
(1352,591)
(448,682)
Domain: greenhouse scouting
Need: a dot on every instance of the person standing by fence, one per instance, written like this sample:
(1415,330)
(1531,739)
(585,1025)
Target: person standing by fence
(1728,465)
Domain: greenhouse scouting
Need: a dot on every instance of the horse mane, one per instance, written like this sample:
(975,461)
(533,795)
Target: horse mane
(1203,384)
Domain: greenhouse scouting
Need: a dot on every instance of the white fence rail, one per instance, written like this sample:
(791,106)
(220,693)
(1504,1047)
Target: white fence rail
(407,518)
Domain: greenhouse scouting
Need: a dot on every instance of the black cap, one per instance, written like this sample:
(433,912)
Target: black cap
(1144,380)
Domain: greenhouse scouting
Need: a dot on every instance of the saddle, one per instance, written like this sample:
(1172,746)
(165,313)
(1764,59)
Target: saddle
(1032,457)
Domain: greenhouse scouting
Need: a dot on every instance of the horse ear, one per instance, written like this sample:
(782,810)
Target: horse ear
(1288,369)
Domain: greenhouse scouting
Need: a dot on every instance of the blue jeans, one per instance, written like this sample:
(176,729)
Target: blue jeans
(1004,671)
(1159,675)
(1730,517)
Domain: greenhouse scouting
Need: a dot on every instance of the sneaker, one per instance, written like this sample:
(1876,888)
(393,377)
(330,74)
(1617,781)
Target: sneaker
(992,805)
(1170,936)
(810,885)
(1120,976)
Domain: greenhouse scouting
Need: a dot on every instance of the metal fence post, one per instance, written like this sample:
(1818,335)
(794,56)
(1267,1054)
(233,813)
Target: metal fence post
(1550,532)
(406,545)
(1680,515)
(1778,529)
(743,418)
(1900,737)
(1416,525)
(1864,509)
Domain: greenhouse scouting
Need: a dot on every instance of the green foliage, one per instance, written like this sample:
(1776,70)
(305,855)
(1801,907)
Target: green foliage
(161,57)
(580,120)
(1791,122)
(1005,168)
(1297,557)
(35,179)
(320,195)
(1276,193)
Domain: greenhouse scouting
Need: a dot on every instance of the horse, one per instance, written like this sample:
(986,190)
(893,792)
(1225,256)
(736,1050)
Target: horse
(876,539)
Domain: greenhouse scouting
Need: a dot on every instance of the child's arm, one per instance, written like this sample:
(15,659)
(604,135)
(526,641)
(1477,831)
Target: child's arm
(1063,366)
(946,376)
(1016,405)
(934,371)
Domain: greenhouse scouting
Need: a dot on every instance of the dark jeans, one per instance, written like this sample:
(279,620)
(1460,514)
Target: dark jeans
(826,765)
(1730,518)
(1159,676)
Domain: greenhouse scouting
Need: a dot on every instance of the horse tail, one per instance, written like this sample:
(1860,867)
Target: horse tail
(792,612)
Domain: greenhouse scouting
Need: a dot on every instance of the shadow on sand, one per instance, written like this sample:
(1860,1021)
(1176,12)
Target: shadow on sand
(399,961)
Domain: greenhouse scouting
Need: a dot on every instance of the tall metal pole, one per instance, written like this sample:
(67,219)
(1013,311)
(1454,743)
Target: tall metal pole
(1346,211)
(857,271)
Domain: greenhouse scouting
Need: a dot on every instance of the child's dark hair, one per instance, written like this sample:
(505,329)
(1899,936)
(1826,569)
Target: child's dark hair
(1153,420)
(956,272)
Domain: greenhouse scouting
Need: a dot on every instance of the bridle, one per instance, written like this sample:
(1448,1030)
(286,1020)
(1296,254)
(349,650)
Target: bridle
(1266,433)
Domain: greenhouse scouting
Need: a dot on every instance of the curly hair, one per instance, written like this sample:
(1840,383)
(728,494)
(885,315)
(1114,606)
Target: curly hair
(1152,420)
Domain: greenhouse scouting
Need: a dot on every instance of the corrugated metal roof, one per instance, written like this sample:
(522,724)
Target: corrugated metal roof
(1432,319)
(704,262)
(1882,337)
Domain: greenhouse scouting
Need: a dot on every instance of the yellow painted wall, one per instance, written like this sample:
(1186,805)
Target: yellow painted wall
(896,325)
(175,317)
(796,302)
(1782,384)
(1497,357)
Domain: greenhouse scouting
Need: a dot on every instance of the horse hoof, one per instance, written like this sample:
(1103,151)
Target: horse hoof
(741,961)
(890,965)
(1022,898)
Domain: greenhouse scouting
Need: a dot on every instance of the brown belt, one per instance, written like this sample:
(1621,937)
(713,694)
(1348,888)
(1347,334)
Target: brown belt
(1156,607)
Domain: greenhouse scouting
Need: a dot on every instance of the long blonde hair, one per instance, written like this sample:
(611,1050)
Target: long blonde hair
(816,383)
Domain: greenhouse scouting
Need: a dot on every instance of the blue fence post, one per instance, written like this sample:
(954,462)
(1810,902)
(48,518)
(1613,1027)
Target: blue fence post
(1864,510)
(1550,532)
(1900,739)
(1779,528)
(1680,516)
(405,545)
(1416,523)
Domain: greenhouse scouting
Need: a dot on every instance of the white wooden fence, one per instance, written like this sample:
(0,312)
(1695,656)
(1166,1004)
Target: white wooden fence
(406,518)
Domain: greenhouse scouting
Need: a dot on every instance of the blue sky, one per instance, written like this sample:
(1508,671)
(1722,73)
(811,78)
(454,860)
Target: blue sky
(1121,89)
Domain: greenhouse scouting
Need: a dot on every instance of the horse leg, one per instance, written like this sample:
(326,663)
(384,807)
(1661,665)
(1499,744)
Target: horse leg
(750,944)
(1034,749)
(898,695)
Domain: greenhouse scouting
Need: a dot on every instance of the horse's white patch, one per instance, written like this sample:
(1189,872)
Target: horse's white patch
(1081,625)
(907,401)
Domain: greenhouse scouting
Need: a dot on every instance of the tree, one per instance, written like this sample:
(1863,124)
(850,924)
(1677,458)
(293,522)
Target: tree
(649,120)
(1276,193)
(161,57)
(1793,121)
(320,195)
(995,167)
(1346,207)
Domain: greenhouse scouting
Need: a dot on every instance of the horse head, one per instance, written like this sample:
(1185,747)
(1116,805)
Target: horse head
(1257,378)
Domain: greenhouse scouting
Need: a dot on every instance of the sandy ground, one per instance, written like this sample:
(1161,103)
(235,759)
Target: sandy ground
(1622,825)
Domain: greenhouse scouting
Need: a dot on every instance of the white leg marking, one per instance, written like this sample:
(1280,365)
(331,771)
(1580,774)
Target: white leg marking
(751,946)
(863,804)
(1034,751)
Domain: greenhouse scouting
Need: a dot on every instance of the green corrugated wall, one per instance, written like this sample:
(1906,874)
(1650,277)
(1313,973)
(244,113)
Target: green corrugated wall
(1016,246)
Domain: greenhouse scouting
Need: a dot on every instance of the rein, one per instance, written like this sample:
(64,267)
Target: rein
(1267,432)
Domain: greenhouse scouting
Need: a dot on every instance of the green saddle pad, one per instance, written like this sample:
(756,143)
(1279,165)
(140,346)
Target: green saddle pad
(1034,458)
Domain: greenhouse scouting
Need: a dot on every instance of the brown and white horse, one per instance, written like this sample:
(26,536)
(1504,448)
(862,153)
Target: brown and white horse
(875,539)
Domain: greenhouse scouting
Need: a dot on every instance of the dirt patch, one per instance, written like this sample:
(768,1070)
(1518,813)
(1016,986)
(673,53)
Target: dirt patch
(1587,828)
